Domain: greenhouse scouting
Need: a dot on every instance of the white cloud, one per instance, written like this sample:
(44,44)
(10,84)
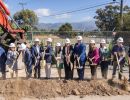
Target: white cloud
(63,16)
(42,12)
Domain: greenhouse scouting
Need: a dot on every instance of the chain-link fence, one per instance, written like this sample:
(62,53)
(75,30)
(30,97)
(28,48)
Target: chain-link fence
(59,37)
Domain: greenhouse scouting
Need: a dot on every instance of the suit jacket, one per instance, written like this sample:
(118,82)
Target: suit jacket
(48,54)
(2,57)
(27,57)
(11,57)
(80,50)
(35,54)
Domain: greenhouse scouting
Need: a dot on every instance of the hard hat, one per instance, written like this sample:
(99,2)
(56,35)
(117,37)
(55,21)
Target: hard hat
(120,39)
(22,46)
(49,39)
(92,41)
(36,40)
(103,41)
(67,40)
(12,45)
(58,44)
(79,38)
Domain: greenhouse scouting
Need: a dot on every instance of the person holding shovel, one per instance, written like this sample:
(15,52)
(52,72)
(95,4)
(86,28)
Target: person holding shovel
(27,59)
(80,57)
(104,58)
(11,62)
(2,61)
(48,58)
(67,53)
(37,51)
(59,58)
(118,55)
(93,58)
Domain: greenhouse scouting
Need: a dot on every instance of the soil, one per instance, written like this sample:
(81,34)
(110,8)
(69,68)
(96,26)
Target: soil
(13,89)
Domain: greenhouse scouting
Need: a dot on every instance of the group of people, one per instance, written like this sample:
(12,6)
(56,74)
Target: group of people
(67,57)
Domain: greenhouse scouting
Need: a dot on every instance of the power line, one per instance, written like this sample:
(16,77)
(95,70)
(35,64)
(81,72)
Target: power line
(78,10)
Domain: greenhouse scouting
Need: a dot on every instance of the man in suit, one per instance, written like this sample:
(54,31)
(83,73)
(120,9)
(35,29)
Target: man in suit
(27,58)
(2,62)
(80,57)
(37,51)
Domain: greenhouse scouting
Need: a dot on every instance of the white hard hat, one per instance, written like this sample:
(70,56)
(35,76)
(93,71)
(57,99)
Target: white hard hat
(79,38)
(36,40)
(49,39)
(67,40)
(120,39)
(58,44)
(12,45)
(103,41)
(22,46)
(92,41)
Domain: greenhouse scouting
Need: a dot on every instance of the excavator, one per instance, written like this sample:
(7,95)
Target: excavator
(9,34)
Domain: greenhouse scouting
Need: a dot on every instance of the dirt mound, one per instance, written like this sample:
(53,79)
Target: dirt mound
(14,89)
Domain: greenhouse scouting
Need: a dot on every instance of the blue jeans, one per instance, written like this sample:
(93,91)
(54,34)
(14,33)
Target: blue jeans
(81,70)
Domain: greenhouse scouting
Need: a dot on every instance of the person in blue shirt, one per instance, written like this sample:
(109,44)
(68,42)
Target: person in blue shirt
(48,58)
(80,57)
(118,52)
(2,61)
(37,52)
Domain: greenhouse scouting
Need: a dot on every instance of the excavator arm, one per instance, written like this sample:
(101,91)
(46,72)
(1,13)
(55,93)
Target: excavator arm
(6,25)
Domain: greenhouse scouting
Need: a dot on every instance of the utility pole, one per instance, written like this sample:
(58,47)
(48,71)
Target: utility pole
(22,4)
(121,14)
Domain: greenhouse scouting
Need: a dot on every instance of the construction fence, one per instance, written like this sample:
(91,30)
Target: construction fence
(87,36)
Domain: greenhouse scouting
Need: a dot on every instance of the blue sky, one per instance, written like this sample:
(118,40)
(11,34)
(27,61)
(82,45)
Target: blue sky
(44,8)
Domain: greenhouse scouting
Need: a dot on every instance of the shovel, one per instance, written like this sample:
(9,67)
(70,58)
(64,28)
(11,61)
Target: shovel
(119,68)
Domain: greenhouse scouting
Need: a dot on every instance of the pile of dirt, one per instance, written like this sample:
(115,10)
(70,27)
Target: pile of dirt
(14,89)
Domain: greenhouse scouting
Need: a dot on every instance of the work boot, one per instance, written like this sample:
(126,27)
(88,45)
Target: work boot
(120,76)
(129,80)
(3,76)
(12,75)
(113,77)
(92,77)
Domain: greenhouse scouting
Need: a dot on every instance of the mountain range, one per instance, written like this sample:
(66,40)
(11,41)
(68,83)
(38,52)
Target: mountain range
(81,26)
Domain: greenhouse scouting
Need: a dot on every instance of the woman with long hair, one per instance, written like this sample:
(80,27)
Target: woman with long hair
(67,53)
(104,58)
(93,58)
(59,58)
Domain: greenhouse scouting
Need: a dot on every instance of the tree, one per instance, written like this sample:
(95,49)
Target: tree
(109,18)
(65,27)
(26,18)
(126,20)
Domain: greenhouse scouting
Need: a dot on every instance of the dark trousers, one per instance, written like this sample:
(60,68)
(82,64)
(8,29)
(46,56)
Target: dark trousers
(129,72)
(104,68)
(3,70)
(37,69)
(29,70)
(68,70)
(80,70)
(115,65)
(93,71)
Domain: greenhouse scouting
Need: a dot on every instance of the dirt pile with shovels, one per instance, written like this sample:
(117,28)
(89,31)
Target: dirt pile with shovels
(14,89)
